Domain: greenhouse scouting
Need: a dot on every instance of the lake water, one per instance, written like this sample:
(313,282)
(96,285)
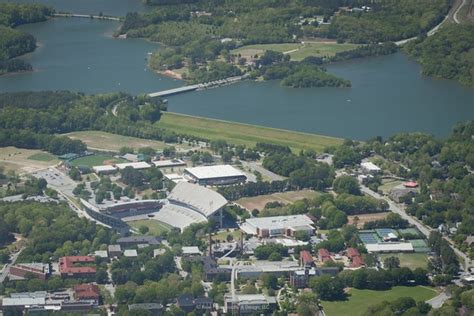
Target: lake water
(388,95)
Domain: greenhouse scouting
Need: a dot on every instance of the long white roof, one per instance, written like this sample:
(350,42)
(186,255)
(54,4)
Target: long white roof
(104,168)
(134,165)
(203,200)
(211,172)
(389,247)
(279,222)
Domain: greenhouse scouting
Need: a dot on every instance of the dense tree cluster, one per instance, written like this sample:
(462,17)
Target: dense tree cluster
(273,252)
(386,21)
(366,51)
(404,306)
(52,230)
(14,43)
(449,54)
(447,259)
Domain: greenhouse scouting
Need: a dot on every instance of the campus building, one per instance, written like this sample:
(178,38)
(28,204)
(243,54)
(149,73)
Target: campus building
(76,266)
(215,175)
(370,168)
(248,303)
(37,270)
(171,165)
(264,227)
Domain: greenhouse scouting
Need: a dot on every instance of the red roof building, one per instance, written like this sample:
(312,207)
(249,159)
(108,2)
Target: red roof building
(324,255)
(68,266)
(87,292)
(354,256)
(410,184)
(306,259)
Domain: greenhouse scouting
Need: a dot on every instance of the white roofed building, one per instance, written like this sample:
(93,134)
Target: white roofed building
(277,225)
(215,175)
(135,165)
(106,169)
(170,165)
(370,168)
(390,247)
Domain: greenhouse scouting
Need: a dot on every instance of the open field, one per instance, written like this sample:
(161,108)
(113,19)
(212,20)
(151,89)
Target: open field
(155,227)
(388,185)
(243,134)
(259,202)
(112,142)
(409,260)
(364,218)
(25,160)
(297,51)
(42,156)
(95,160)
(360,300)
(222,236)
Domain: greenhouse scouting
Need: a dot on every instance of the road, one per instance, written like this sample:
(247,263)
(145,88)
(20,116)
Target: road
(438,301)
(455,15)
(13,259)
(265,173)
(396,208)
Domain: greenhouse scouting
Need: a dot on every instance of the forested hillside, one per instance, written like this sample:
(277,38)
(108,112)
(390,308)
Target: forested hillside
(14,43)
(449,54)
(201,32)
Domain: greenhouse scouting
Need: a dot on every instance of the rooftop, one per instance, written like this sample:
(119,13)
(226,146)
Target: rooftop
(369,166)
(204,200)
(389,247)
(132,253)
(104,168)
(191,250)
(211,172)
(134,165)
(169,163)
(280,222)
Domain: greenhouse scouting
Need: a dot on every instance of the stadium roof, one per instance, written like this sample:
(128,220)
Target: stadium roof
(212,172)
(134,165)
(203,200)
(179,216)
(280,222)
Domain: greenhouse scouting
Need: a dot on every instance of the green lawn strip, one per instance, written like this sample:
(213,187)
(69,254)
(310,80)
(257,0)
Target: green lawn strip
(320,50)
(243,134)
(95,160)
(409,260)
(42,157)
(360,300)
(155,227)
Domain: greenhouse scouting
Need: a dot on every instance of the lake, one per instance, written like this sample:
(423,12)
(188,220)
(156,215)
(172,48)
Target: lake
(388,94)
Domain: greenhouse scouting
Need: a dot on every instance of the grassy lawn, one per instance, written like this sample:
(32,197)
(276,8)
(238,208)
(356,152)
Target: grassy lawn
(387,186)
(95,160)
(23,160)
(297,51)
(222,236)
(243,134)
(409,260)
(42,157)
(259,202)
(360,300)
(155,227)
(113,142)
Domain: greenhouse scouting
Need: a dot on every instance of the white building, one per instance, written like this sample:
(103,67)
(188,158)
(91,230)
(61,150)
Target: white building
(277,225)
(105,169)
(247,303)
(390,247)
(135,165)
(215,175)
(171,165)
(370,168)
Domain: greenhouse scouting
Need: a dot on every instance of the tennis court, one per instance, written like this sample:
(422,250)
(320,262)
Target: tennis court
(369,237)
(420,245)
(384,232)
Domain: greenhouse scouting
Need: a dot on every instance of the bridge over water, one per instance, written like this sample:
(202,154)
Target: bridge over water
(194,87)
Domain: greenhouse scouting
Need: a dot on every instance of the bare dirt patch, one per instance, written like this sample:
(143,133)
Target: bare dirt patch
(364,218)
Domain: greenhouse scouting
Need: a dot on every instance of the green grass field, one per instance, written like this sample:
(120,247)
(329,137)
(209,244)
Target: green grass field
(155,227)
(297,51)
(259,202)
(42,157)
(360,300)
(113,142)
(409,260)
(243,134)
(95,160)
